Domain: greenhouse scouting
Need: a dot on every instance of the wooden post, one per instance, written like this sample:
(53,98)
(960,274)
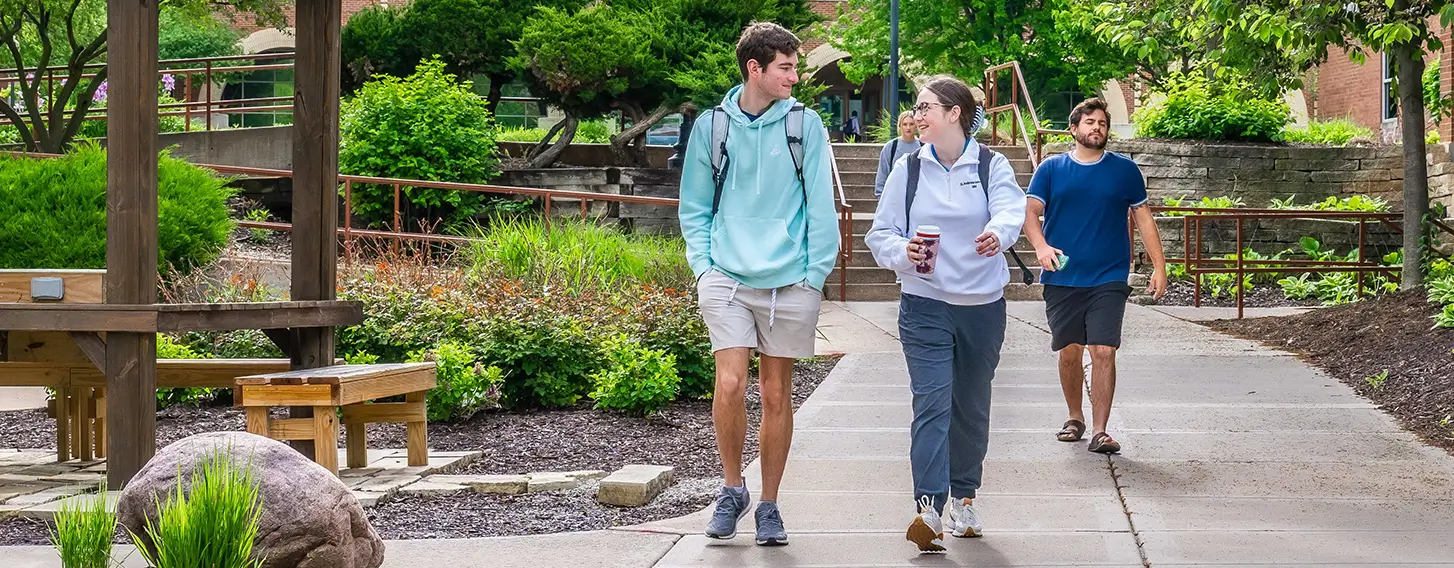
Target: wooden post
(131,231)
(315,183)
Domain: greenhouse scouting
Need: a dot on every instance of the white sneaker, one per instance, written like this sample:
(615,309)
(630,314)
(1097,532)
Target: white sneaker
(964,521)
(926,530)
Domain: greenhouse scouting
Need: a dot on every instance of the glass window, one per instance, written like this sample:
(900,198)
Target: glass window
(1390,98)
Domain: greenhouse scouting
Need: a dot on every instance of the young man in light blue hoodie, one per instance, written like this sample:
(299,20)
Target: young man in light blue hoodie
(761,230)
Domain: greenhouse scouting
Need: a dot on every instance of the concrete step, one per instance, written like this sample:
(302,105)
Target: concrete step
(1022,247)
(873,150)
(1015,291)
(858,165)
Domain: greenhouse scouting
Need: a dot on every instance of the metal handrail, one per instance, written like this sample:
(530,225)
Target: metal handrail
(1197,265)
(845,229)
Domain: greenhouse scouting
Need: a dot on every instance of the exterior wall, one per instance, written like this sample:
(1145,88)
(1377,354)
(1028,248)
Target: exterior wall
(1347,89)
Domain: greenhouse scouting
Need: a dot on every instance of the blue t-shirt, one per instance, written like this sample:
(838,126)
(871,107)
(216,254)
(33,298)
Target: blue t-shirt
(1086,216)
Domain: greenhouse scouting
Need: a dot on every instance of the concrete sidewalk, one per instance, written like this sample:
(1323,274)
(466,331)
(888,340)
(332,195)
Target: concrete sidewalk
(1234,454)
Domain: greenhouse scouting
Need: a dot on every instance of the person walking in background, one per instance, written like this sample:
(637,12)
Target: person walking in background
(1085,251)
(947,213)
(761,231)
(850,127)
(906,143)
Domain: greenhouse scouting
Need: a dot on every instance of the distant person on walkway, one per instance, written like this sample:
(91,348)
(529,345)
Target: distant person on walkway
(1085,251)
(850,128)
(761,230)
(906,143)
(947,213)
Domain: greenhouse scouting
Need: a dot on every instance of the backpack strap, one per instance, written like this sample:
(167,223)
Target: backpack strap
(794,128)
(720,159)
(911,187)
(893,151)
(985,155)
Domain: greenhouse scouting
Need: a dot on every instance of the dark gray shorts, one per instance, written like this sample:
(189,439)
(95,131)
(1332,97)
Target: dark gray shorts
(1086,315)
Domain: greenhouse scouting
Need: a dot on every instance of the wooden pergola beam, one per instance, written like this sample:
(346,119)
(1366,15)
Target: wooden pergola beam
(315,180)
(131,235)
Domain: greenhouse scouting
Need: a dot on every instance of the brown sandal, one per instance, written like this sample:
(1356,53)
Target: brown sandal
(1103,444)
(1072,431)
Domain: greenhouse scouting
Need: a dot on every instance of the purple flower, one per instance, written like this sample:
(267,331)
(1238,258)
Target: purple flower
(100,94)
(169,82)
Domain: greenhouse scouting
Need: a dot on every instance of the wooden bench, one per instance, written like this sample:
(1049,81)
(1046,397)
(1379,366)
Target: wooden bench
(349,387)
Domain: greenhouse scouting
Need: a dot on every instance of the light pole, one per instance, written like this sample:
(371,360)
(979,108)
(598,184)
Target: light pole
(893,94)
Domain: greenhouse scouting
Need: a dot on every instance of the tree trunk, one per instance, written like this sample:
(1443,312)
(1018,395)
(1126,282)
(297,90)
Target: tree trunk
(549,156)
(545,141)
(497,86)
(640,124)
(1416,166)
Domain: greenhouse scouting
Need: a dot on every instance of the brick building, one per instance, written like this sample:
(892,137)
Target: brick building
(1363,93)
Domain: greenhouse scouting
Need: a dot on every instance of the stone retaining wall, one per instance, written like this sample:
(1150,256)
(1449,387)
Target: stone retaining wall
(1258,173)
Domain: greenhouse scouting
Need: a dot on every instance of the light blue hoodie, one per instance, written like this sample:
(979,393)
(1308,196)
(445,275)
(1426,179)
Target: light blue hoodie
(763,236)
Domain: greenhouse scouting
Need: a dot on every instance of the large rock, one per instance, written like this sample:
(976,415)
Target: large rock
(309,518)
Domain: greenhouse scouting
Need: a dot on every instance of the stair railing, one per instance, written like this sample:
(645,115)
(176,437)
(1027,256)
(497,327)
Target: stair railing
(845,229)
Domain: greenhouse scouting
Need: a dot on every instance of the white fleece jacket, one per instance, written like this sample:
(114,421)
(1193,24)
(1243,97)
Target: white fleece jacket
(952,199)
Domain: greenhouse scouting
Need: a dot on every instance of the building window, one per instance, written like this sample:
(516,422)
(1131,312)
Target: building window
(1390,98)
(263,84)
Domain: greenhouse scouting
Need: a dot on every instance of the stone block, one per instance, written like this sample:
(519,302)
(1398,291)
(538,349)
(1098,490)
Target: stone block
(431,488)
(77,477)
(1145,160)
(503,484)
(1312,165)
(1238,151)
(586,474)
(1174,172)
(1385,164)
(45,496)
(11,491)
(367,498)
(1232,173)
(1389,151)
(1437,152)
(635,485)
(48,510)
(1349,176)
(551,481)
(17,478)
(386,483)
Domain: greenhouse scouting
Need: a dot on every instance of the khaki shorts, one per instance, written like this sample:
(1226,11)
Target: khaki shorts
(739,316)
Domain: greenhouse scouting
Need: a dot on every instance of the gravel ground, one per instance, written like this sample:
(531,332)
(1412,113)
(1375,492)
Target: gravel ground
(513,442)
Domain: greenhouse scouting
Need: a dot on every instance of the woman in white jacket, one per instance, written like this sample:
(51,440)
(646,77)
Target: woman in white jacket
(951,319)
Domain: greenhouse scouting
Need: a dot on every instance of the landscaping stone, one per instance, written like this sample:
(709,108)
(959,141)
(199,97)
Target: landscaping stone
(502,484)
(47,511)
(77,477)
(367,498)
(586,474)
(551,481)
(8,492)
(635,485)
(387,483)
(431,488)
(309,518)
(17,478)
(359,471)
(40,497)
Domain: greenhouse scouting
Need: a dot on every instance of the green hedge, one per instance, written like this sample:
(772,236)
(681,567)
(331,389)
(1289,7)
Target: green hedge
(1197,109)
(53,212)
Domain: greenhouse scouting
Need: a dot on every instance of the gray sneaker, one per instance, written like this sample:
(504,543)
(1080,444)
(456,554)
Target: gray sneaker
(770,530)
(732,506)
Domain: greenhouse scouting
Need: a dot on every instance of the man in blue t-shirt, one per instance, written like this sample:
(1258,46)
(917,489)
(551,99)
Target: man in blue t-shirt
(1085,251)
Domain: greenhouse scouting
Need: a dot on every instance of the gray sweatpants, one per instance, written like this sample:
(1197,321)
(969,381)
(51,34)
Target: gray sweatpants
(952,353)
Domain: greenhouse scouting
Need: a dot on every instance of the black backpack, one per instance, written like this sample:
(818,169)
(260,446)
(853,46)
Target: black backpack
(985,155)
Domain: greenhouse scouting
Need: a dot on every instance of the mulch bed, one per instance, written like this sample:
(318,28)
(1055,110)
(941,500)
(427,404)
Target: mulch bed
(1260,296)
(571,439)
(1360,340)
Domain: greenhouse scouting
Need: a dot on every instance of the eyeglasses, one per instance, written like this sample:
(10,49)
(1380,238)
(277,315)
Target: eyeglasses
(923,107)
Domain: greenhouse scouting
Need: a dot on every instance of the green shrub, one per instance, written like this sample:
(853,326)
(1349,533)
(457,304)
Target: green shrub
(181,35)
(1441,290)
(635,379)
(667,320)
(84,527)
(213,523)
(1300,287)
(167,348)
(1445,317)
(579,256)
(546,356)
(588,132)
(464,385)
(1219,202)
(1197,109)
(1333,203)
(53,212)
(425,127)
(1336,132)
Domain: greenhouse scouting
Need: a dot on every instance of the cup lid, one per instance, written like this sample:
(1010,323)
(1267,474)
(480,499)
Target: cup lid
(927,229)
